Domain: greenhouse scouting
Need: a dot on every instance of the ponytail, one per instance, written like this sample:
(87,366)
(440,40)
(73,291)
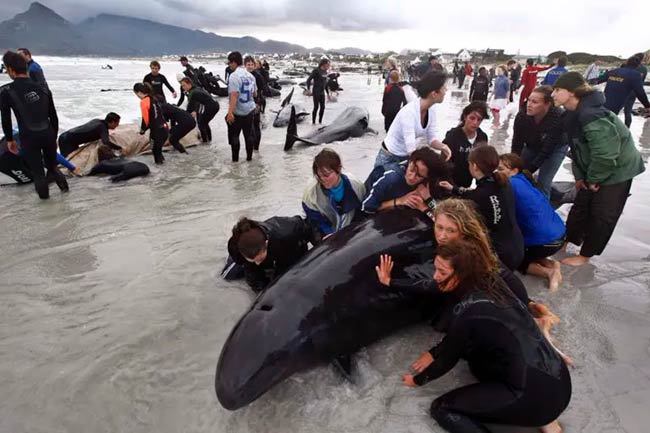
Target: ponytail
(514,162)
(487,160)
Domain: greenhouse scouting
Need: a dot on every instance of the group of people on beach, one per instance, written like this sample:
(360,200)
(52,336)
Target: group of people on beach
(483,233)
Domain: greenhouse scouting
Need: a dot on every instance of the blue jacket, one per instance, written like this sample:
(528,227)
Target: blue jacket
(35,72)
(538,222)
(384,183)
(327,216)
(553,75)
(621,82)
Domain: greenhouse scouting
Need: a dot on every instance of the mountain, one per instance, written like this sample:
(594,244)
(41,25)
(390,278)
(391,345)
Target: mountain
(45,32)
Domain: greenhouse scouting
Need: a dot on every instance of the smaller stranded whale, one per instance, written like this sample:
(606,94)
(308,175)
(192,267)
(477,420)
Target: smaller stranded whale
(328,305)
(352,122)
(284,115)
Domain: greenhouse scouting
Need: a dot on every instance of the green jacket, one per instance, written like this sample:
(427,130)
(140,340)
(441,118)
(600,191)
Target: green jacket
(602,148)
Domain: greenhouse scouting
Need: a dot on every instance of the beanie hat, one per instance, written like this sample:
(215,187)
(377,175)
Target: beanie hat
(569,81)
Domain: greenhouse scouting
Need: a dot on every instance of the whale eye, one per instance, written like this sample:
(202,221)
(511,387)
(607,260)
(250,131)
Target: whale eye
(266,307)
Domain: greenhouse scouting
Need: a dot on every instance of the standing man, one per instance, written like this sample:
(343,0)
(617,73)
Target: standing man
(319,78)
(624,83)
(434,65)
(629,104)
(555,73)
(37,121)
(529,80)
(190,72)
(34,70)
(242,91)
(515,74)
(156,80)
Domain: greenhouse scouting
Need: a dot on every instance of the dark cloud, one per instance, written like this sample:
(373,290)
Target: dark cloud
(341,15)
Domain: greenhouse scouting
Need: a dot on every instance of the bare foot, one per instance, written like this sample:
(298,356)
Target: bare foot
(576,260)
(563,249)
(553,427)
(547,263)
(555,278)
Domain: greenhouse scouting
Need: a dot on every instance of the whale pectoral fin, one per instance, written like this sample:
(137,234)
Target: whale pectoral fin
(343,366)
(371,131)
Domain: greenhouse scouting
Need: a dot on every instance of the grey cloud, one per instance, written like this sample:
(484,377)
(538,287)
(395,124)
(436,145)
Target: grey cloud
(342,15)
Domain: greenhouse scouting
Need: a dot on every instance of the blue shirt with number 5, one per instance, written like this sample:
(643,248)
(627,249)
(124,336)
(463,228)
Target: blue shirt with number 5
(242,82)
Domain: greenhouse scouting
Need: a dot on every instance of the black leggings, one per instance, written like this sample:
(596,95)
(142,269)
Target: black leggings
(593,217)
(257,129)
(241,124)
(159,137)
(178,131)
(534,253)
(203,120)
(540,402)
(39,152)
(319,101)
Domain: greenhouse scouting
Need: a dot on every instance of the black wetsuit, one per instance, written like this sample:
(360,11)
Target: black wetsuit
(257,113)
(157,82)
(521,378)
(181,122)
(200,102)
(288,238)
(441,316)
(496,204)
(479,89)
(158,127)
(319,78)
(460,147)
(93,130)
(38,124)
(13,165)
(120,169)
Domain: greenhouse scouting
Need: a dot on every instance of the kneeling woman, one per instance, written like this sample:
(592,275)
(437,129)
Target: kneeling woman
(521,378)
(541,227)
(333,200)
(268,249)
(496,204)
(413,184)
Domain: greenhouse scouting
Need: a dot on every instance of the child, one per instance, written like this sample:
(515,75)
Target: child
(480,87)
(394,99)
(501,93)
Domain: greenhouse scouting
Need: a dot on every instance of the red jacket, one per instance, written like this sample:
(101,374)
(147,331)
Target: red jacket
(529,76)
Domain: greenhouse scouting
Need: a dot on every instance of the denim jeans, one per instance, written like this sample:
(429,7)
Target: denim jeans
(549,168)
(385,158)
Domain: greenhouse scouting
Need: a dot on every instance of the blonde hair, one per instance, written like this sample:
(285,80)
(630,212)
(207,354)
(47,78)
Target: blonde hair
(504,69)
(472,229)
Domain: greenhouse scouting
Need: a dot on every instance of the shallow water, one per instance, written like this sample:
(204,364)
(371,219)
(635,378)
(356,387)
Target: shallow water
(113,315)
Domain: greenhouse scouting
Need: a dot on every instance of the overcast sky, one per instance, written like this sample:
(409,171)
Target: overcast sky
(596,26)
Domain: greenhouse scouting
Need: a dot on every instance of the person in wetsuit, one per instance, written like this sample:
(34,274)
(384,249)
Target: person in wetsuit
(119,168)
(260,101)
(181,123)
(496,204)
(157,80)
(480,87)
(34,70)
(201,106)
(522,380)
(189,71)
(38,123)
(96,129)
(267,249)
(152,119)
(319,79)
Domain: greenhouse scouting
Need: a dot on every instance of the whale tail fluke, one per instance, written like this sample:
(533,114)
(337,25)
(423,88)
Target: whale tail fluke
(343,366)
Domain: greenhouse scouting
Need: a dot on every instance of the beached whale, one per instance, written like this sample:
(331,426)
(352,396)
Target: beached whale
(328,305)
(352,122)
(284,115)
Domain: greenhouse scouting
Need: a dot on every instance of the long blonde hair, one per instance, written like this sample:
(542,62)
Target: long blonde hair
(472,229)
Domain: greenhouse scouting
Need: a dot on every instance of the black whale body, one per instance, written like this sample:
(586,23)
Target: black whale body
(328,305)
